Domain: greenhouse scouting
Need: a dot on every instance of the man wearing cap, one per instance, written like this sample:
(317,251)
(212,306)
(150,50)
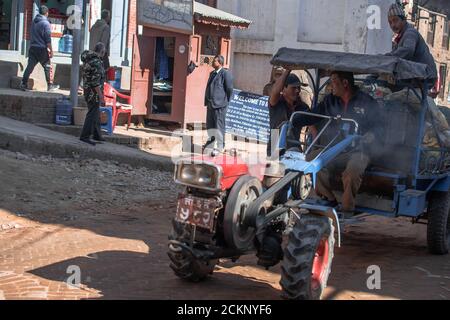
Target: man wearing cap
(284,100)
(409,43)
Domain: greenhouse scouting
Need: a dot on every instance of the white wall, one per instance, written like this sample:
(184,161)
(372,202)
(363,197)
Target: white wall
(335,25)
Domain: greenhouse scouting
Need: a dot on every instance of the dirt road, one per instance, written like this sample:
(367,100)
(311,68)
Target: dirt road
(108,224)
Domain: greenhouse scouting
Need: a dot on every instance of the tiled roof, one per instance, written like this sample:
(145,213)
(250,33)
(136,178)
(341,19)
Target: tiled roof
(207,14)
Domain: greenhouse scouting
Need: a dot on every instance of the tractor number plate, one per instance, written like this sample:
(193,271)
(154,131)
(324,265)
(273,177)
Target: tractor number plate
(197,211)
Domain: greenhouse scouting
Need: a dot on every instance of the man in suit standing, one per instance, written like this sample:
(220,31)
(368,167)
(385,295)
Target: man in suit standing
(217,96)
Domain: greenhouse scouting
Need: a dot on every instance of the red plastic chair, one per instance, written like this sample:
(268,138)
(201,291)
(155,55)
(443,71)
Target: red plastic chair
(111,95)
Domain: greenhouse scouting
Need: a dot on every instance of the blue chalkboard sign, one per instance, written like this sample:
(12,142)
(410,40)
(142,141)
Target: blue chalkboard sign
(248,116)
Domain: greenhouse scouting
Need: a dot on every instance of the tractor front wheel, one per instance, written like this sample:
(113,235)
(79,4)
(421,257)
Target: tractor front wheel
(307,258)
(183,264)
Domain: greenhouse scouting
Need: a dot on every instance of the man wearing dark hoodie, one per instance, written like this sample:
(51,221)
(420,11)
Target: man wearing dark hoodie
(93,80)
(101,32)
(40,49)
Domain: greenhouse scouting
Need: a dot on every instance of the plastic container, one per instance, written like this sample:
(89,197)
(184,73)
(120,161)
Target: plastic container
(68,43)
(61,45)
(63,112)
(106,120)
(118,79)
(111,74)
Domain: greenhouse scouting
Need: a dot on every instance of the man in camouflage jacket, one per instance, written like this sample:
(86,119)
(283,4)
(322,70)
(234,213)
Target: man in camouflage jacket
(93,80)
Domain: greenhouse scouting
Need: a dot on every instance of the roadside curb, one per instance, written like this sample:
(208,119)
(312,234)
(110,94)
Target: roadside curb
(26,138)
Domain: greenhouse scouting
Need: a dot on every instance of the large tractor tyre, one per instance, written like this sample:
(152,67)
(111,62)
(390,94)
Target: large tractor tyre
(307,258)
(238,236)
(438,231)
(184,265)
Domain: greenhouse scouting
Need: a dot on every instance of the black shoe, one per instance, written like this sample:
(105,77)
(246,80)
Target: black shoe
(23,86)
(53,87)
(89,141)
(101,139)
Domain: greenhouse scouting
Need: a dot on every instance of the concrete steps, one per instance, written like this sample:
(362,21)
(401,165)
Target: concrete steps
(33,83)
(37,79)
(31,106)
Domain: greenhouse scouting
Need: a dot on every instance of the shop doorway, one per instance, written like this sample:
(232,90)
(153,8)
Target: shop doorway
(9,22)
(107,4)
(163,76)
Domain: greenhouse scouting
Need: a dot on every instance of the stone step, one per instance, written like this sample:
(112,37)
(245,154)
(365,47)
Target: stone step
(8,69)
(30,106)
(33,83)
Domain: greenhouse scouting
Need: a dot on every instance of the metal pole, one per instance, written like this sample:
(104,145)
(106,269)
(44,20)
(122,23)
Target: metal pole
(75,68)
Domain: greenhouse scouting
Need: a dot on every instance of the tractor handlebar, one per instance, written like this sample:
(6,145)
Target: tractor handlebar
(337,118)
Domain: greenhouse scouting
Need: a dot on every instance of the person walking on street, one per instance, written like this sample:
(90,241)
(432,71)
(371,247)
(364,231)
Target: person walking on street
(93,80)
(40,50)
(101,32)
(217,97)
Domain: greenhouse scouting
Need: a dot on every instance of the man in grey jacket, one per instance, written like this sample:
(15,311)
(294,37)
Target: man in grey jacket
(217,96)
(40,49)
(409,43)
(101,32)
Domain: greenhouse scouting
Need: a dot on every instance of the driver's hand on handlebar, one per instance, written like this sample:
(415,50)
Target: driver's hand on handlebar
(368,138)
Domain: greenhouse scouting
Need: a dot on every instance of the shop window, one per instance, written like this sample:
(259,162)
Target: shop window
(5,24)
(163,75)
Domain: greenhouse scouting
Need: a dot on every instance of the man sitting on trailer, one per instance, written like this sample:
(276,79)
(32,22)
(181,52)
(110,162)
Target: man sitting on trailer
(409,43)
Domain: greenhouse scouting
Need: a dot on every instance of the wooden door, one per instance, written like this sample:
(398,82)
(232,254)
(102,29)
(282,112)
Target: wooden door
(142,74)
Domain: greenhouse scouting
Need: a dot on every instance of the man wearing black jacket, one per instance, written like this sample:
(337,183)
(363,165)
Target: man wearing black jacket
(217,96)
(348,102)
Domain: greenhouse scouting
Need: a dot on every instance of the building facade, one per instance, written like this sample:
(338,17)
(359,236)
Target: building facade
(338,25)
(172,57)
(432,22)
(15,24)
